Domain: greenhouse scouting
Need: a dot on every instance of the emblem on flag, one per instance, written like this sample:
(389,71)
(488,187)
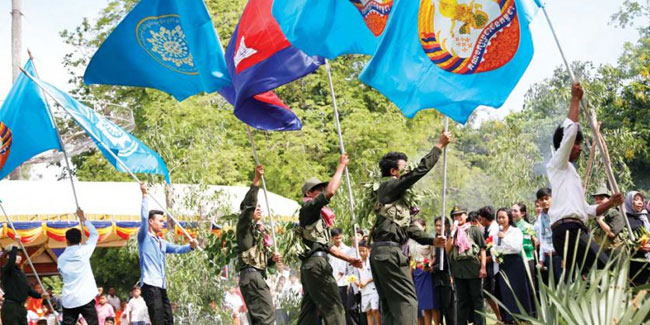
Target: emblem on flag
(469,36)
(5,143)
(375,13)
(164,40)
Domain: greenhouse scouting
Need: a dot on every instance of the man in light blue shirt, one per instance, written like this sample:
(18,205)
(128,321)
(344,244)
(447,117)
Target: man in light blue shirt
(152,250)
(79,287)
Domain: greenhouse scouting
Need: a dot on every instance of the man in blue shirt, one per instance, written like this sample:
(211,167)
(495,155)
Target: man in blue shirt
(152,262)
(79,287)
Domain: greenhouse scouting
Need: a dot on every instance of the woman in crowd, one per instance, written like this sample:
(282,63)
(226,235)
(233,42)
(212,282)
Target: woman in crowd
(520,217)
(512,281)
(637,215)
(421,262)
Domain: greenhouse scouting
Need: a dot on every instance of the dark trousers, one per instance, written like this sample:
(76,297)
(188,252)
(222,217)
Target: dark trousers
(321,294)
(470,301)
(351,305)
(88,311)
(392,277)
(447,305)
(552,265)
(257,297)
(588,249)
(14,313)
(158,305)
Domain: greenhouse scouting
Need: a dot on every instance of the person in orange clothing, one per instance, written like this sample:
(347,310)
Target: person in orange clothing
(36,304)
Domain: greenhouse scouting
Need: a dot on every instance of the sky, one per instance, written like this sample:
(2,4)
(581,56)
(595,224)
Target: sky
(583,27)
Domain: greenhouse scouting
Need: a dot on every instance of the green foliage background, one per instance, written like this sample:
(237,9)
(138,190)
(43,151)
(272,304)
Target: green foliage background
(495,162)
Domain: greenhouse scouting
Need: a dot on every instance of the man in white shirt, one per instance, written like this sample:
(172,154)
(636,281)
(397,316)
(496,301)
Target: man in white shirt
(569,210)
(137,309)
(79,287)
(113,299)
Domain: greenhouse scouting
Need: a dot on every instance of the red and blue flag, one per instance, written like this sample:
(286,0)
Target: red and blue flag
(259,59)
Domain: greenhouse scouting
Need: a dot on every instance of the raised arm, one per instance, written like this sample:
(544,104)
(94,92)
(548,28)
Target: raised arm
(576,97)
(90,244)
(11,262)
(571,126)
(249,204)
(144,214)
(393,190)
(335,182)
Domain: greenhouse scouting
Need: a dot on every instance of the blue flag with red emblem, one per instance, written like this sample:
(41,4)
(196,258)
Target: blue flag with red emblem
(452,55)
(26,127)
(169,45)
(333,27)
(259,59)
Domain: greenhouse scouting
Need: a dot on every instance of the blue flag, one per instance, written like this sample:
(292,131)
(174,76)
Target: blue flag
(170,45)
(107,135)
(452,55)
(26,127)
(331,28)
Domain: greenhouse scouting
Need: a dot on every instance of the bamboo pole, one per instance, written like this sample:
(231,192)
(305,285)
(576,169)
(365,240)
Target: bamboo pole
(593,123)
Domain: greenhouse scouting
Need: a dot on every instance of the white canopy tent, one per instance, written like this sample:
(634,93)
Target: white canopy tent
(53,200)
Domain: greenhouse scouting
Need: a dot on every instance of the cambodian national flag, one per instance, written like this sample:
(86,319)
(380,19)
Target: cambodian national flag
(333,27)
(452,55)
(259,59)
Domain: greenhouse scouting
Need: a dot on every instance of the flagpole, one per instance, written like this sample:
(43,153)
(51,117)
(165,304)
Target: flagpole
(65,153)
(119,160)
(593,123)
(29,260)
(444,196)
(266,195)
(341,146)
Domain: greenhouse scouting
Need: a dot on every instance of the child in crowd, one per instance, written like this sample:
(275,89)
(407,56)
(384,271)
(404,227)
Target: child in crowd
(369,295)
(137,309)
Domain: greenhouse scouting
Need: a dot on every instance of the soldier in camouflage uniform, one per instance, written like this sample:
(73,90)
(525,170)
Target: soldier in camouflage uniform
(254,243)
(321,293)
(390,268)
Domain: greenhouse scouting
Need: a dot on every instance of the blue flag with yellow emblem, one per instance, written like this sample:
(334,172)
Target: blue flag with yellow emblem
(330,28)
(170,45)
(452,55)
(109,136)
(26,127)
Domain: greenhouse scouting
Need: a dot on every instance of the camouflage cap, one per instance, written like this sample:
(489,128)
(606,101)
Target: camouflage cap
(457,210)
(601,190)
(311,183)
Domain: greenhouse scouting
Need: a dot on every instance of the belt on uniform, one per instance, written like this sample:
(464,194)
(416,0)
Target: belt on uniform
(567,221)
(550,254)
(385,243)
(13,301)
(318,254)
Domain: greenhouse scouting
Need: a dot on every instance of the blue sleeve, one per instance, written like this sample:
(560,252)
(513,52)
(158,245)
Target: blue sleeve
(144,220)
(177,249)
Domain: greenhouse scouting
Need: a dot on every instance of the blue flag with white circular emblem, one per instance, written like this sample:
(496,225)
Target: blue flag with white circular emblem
(170,45)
